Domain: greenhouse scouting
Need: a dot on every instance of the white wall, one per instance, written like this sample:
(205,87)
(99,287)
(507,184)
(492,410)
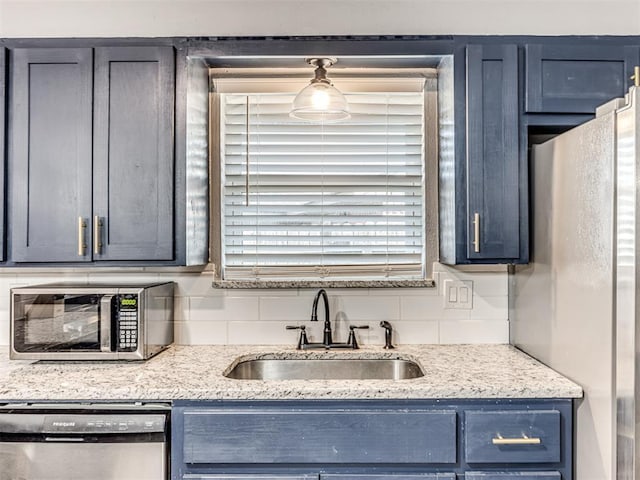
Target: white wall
(96,18)
(208,316)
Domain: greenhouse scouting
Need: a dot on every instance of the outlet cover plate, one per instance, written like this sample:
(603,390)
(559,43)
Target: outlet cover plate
(458,294)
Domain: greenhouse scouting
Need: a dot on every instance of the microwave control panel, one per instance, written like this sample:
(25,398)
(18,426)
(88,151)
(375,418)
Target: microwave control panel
(127,321)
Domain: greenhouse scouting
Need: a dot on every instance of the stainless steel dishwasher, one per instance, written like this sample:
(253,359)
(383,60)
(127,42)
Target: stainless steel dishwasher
(84,442)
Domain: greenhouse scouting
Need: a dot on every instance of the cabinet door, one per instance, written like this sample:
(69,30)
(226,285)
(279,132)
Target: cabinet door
(576,78)
(493,194)
(133,153)
(50,154)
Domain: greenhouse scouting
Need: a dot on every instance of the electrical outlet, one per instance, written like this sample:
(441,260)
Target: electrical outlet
(458,294)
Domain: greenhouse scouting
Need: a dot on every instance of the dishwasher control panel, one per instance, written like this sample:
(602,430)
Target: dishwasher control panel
(80,424)
(103,423)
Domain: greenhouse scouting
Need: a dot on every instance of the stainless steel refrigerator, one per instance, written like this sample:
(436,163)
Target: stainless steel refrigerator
(576,306)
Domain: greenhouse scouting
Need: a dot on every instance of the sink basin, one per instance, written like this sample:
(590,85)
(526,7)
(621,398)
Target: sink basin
(326,369)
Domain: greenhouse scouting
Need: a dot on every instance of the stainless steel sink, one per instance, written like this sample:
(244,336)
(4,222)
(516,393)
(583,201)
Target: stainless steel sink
(326,369)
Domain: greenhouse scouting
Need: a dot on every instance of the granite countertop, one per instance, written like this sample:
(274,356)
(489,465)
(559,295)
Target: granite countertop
(196,372)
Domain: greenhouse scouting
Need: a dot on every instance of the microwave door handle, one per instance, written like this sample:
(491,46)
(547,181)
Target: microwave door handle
(105,323)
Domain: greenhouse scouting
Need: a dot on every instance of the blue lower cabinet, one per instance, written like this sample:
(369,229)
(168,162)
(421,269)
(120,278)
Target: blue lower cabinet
(248,477)
(372,440)
(512,476)
(400,476)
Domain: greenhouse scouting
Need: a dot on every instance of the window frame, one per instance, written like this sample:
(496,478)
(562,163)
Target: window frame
(430,202)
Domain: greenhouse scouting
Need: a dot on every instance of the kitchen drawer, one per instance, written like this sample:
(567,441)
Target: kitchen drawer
(319,436)
(389,476)
(512,436)
(512,476)
(576,78)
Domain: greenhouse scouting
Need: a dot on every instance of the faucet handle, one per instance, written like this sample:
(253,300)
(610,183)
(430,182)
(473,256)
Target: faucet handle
(303,340)
(387,334)
(352,336)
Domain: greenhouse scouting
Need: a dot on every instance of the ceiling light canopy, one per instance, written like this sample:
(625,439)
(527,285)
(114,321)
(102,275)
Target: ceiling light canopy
(320,101)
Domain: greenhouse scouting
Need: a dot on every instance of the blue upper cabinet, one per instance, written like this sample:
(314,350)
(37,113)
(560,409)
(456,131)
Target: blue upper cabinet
(493,196)
(98,156)
(97,126)
(562,78)
(483,193)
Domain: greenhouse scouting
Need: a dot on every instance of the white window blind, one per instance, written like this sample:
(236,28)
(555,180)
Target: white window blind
(309,201)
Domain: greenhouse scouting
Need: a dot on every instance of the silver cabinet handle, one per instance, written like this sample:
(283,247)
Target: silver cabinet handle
(524,440)
(97,237)
(476,232)
(82,246)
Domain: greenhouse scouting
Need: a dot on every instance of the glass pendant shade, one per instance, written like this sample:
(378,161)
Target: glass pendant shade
(320,101)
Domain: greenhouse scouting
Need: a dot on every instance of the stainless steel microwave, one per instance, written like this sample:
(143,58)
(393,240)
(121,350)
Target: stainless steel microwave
(90,321)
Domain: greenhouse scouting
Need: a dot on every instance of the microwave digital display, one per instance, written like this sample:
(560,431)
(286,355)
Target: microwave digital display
(129,302)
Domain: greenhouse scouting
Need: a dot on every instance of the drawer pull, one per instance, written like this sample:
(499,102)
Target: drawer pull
(524,440)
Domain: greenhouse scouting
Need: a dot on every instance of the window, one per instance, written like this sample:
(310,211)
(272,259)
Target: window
(303,201)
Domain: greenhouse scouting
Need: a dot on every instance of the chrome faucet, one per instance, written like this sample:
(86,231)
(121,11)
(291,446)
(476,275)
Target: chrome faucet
(327,339)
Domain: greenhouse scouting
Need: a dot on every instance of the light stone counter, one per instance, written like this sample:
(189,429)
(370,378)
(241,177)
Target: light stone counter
(196,372)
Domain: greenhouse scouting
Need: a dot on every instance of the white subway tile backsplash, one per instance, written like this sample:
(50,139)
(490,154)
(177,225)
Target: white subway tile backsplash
(336,292)
(223,308)
(205,315)
(122,277)
(201,333)
(474,331)
(6,283)
(291,309)
(262,333)
(181,309)
(429,308)
(425,331)
(490,308)
(195,285)
(4,327)
(489,284)
(370,307)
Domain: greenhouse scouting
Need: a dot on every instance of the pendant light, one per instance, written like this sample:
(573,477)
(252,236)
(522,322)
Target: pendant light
(320,101)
